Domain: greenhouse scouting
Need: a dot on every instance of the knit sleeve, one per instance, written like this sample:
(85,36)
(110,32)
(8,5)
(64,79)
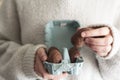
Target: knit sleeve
(109,65)
(16,60)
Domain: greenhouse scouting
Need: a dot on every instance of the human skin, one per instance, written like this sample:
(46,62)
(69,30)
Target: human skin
(39,67)
(98,39)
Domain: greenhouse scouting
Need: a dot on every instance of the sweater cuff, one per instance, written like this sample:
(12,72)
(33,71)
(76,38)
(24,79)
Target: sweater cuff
(115,45)
(28,62)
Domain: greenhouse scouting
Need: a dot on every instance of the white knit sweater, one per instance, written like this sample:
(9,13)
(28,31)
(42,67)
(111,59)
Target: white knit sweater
(22,32)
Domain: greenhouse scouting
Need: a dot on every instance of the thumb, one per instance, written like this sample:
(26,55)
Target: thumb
(41,52)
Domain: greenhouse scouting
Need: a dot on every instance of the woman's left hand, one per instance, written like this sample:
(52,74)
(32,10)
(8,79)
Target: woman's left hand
(99,40)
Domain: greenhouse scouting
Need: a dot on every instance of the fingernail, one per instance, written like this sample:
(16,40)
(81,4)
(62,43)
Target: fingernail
(83,34)
(43,58)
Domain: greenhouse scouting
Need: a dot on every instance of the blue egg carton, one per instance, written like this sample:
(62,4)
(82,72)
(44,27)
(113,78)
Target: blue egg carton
(58,34)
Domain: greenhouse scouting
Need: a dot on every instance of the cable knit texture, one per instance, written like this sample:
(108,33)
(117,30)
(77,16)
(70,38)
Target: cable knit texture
(22,33)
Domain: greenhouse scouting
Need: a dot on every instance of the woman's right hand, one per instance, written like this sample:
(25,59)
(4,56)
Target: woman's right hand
(39,67)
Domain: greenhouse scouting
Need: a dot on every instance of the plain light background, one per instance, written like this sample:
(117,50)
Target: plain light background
(0,2)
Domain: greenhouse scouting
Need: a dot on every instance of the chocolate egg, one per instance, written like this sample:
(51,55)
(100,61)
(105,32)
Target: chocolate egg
(54,55)
(74,53)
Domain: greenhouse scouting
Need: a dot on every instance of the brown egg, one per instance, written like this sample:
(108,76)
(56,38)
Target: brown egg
(74,53)
(54,55)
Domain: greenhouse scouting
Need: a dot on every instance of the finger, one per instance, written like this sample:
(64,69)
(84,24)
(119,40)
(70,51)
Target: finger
(96,32)
(101,50)
(39,69)
(55,77)
(107,40)
(48,76)
(61,76)
(42,54)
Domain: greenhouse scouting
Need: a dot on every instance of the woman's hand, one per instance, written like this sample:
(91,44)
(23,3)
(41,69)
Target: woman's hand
(39,67)
(99,39)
